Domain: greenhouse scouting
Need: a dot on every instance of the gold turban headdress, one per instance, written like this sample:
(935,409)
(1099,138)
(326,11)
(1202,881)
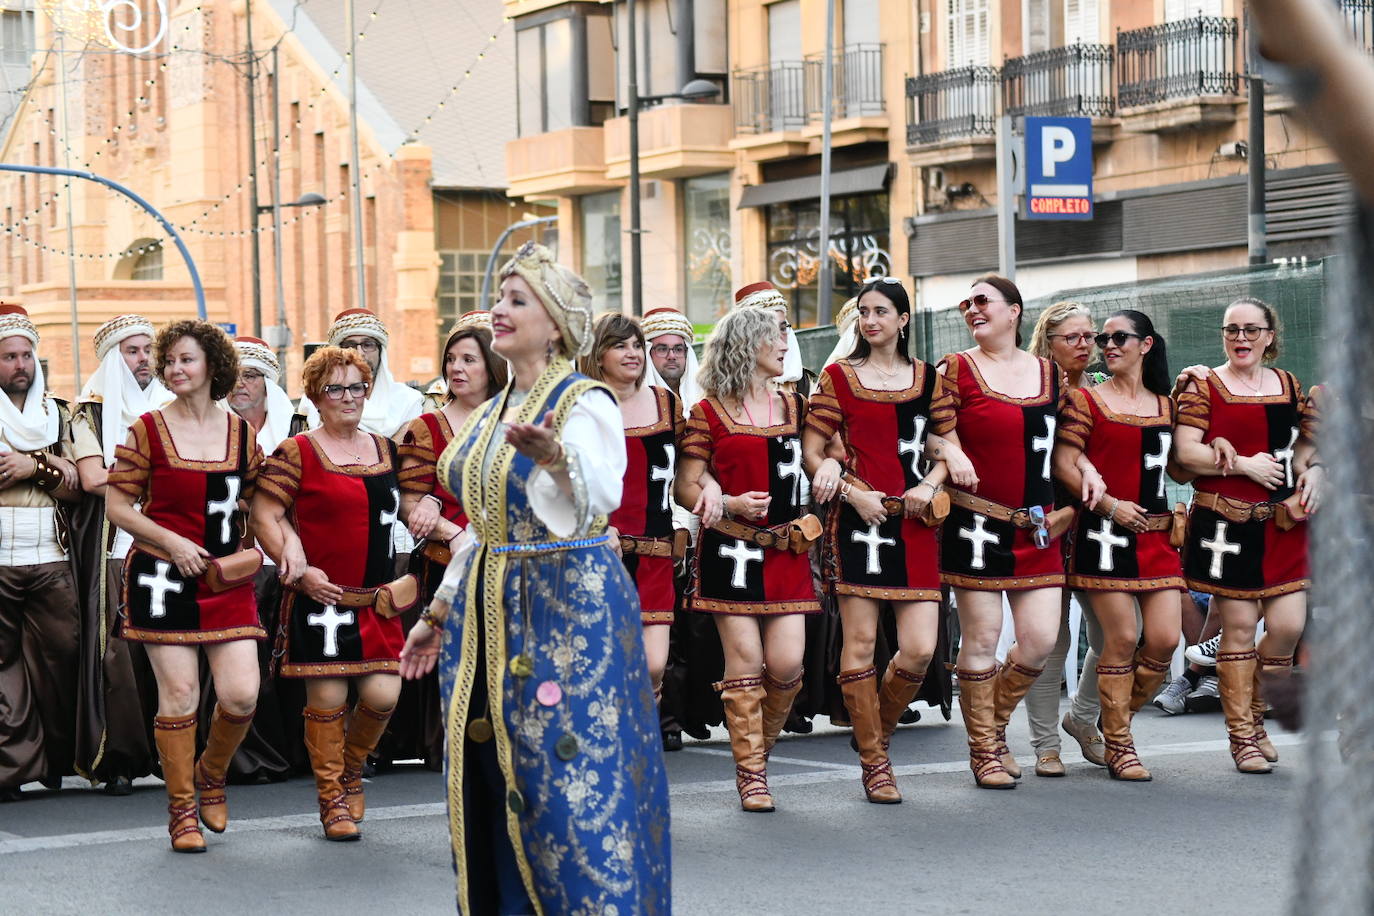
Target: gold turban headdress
(565,296)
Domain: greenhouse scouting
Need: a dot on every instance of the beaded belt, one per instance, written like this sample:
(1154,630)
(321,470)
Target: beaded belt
(550,546)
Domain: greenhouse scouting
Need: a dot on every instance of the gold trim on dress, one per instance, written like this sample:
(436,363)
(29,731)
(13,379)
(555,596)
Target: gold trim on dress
(1230,397)
(1045,396)
(664,421)
(1163,418)
(1004,583)
(883,395)
(1104,584)
(230,461)
(788,424)
(886,592)
(377,468)
(754,608)
(1249,594)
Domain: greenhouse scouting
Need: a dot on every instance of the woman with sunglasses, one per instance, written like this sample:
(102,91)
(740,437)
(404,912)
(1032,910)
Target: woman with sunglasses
(882,403)
(1123,556)
(1001,537)
(1247,537)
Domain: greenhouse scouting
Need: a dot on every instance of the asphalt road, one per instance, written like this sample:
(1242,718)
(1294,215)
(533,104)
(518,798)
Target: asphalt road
(1200,837)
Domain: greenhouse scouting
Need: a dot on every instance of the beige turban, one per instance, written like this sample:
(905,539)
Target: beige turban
(565,296)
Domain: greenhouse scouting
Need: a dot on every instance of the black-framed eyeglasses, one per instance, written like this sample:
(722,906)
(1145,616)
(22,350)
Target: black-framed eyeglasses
(1251,332)
(336,392)
(980,300)
(367,345)
(1041,533)
(1117,338)
(1074,340)
(665,350)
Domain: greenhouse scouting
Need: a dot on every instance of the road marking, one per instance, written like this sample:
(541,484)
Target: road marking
(848,768)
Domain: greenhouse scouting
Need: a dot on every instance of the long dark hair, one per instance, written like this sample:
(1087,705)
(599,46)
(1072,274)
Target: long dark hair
(1154,369)
(497,368)
(1009,292)
(893,291)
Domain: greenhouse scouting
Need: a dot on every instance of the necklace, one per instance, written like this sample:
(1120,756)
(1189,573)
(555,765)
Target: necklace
(752,422)
(888,375)
(348,449)
(1237,376)
(1135,399)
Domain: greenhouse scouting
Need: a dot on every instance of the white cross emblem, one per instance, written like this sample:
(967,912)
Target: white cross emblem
(913,446)
(979,537)
(387,519)
(1161,461)
(330,619)
(1219,547)
(742,554)
(1045,445)
(792,468)
(664,474)
(1106,545)
(158,585)
(874,542)
(225,507)
(1286,456)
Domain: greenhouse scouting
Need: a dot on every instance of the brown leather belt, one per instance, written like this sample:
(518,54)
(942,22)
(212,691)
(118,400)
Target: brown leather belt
(675,546)
(797,536)
(1286,513)
(387,600)
(935,512)
(437,552)
(1057,520)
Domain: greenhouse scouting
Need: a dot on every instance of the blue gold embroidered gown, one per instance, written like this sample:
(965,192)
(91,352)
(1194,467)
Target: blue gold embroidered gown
(544,642)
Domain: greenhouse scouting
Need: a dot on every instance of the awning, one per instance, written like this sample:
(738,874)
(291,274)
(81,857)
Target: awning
(867,180)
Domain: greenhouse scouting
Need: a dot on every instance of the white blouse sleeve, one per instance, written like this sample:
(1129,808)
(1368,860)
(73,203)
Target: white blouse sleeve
(594,442)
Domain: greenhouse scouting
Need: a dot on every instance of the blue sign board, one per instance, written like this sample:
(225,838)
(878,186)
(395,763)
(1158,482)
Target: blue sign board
(229,328)
(1059,168)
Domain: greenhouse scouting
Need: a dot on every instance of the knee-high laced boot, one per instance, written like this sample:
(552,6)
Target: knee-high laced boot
(898,689)
(860,691)
(1115,684)
(1274,666)
(742,698)
(226,732)
(1013,680)
(1149,676)
(176,748)
(976,692)
(777,704)
(324,739)
(1236,680)
(364,731)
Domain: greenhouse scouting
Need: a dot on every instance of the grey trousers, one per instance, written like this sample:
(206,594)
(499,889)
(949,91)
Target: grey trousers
(1042,702)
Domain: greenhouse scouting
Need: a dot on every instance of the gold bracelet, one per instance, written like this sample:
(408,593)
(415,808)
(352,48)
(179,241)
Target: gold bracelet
(430,620)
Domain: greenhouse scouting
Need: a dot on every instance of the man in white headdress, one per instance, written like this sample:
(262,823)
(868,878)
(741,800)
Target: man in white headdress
(39,618)
(118,698)
(259,397)
(669,335)
(390,405)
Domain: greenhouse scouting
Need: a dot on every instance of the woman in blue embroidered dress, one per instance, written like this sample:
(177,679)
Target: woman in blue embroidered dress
(557,794)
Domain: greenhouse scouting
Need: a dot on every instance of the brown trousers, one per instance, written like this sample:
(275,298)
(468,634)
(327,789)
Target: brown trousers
(39,644)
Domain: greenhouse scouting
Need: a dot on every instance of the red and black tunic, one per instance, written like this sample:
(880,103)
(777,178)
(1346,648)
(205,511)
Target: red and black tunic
(1131,453)
(884,435)
(736,576)
(198,500)
(1010,442)
(1249,560)
(646,508)
(423,441)
(344,516)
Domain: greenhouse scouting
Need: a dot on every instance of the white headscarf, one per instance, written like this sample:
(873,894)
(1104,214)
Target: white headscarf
(389,405)
(35,426)
(766,295)
(255,353)
(845,323)
(656,323)
(114,387)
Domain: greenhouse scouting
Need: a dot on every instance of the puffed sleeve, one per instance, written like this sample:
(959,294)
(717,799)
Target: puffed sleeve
(825,416)
(697,442)
(281,474)
(1311,411)
(85,438)
(943,416)
(948,367)
(593,440)
(1195,406)
(133,467)
(418,458)
(1075,425)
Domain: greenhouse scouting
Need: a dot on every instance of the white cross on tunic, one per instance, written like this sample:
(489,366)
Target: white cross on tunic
(664,474)
(1107,542)
(913,446)
(330,619)
(158,585)
(742,555)
(387,519)
(1219,547)
(979,537)
(874,542)
(1045,444)
(224,508)
(1285,455)
(792,468)
(1160,461)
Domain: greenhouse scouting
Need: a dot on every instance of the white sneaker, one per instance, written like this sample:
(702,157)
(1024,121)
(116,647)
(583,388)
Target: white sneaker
(1204,653)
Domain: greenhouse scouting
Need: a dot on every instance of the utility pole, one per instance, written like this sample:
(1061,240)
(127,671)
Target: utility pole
(67,196)
(632,105)
(283,330)
(353,169)
(253,172)
(825,282)
(1006,201)
(1256,228)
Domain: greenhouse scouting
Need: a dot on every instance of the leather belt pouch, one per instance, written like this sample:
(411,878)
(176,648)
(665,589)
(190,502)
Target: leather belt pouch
(1178,531)
(935,512)
(398,596)
(1290,513)
(437,552)
(221,573)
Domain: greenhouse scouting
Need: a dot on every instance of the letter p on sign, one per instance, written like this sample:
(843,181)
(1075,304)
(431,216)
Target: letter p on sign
(1056,145)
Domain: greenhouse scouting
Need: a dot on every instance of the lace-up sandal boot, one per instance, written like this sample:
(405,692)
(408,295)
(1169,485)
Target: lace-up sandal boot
(1114,686)
(743,699)
(976,690)
(860,691)
(176,748)
(324,739)
(1274,666)
(1150,674)
(1236,677)
(226,732)
(898,689)
(1013,680)
(777,704)
(364,731)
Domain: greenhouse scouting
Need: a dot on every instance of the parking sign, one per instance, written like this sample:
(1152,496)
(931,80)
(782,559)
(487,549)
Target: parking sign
(1059,168)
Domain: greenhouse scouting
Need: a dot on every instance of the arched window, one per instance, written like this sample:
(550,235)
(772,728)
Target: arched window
(142,260)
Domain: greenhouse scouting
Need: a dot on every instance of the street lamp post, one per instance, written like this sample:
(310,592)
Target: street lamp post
(280,337)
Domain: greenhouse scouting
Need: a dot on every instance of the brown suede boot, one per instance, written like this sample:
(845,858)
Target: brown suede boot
(777,704)
(176,748)
(1236,679)
(861,699)
(226,731)
(364,731)
(324,739)
(976,691)
(1149,677)
(1114,686)
(898,689)
(1274,666)
(1013,680)
(743,698)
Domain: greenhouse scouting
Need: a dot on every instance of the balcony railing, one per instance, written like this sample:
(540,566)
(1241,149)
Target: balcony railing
(1178,60)
(1359,18)
(771,98)
(858,83)
(951,104)
(1061,82)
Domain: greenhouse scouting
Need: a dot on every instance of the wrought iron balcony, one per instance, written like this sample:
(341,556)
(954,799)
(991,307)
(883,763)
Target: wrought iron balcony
(771,98)
(1178,60)
(1061,82)
(858,83)
(1359,18)
(951,104)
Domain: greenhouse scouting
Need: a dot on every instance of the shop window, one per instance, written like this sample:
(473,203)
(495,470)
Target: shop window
(858,250)
(706,205)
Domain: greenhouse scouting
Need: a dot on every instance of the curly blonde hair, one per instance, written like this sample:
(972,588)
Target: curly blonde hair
(732,351)
(1052,318)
